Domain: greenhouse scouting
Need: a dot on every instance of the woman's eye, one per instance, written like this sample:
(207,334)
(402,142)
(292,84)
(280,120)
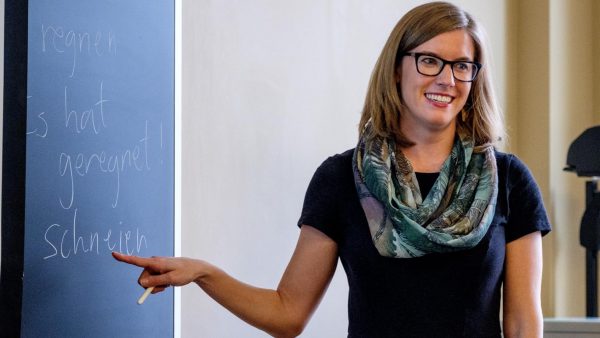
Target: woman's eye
(429,61)
(462,66)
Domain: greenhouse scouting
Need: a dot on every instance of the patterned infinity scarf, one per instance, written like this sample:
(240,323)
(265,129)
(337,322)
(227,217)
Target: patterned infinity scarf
(456,213)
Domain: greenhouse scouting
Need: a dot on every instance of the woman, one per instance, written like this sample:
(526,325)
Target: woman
(428,220)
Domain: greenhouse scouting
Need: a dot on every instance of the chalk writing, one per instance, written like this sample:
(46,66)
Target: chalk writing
(64,242)
(88,116)
(59,40)
(43,132)
(115,163)
(82,131)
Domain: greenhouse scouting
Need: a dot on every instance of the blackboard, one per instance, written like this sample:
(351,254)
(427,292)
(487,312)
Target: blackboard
(98,166)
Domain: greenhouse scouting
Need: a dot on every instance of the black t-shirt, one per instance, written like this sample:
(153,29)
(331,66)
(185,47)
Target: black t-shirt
(437,295)
(426,182)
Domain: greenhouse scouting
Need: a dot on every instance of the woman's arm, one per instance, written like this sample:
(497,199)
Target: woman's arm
(283,312)
(522,287)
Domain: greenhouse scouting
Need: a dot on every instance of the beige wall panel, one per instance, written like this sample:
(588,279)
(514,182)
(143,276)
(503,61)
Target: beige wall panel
(528,91)
(571,108)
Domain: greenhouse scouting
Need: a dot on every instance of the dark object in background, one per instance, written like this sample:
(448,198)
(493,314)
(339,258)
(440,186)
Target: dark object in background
(583,158)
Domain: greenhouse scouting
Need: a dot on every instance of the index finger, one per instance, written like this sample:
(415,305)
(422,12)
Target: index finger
(134,260)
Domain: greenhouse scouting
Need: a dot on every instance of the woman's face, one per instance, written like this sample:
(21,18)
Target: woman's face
(434,101)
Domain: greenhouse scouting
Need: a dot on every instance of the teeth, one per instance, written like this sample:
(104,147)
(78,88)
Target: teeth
(439,98)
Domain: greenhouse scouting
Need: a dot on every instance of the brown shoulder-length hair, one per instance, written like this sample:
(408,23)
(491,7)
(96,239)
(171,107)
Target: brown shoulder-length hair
(383,106)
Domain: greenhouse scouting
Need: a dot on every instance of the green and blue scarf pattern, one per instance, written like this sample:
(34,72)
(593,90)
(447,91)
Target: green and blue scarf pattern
(456,213)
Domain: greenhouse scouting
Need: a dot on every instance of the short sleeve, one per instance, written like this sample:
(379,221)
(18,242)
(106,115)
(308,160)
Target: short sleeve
(526,212)
(320,209)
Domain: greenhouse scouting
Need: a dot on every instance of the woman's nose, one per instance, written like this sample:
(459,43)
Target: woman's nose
(446,76)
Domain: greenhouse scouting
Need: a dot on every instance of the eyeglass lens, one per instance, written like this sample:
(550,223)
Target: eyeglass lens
(432,66)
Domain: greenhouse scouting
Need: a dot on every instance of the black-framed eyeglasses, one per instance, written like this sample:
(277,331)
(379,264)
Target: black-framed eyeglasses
(429,65)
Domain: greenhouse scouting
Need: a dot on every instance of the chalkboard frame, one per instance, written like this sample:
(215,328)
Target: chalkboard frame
(14,163)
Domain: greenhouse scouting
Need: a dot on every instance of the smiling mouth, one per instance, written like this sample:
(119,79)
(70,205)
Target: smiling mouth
(439,98)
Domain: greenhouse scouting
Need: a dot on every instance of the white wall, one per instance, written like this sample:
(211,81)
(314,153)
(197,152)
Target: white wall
(270,89)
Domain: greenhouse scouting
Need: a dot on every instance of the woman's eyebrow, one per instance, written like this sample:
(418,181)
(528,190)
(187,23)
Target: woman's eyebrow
(461,58)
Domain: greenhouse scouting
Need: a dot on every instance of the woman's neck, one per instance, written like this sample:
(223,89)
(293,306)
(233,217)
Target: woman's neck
(429,152)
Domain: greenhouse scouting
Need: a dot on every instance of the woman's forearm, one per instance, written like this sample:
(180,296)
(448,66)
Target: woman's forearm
(264,309)
(283,312)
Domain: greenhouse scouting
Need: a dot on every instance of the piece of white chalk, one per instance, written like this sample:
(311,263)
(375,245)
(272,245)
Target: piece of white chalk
(145,295)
